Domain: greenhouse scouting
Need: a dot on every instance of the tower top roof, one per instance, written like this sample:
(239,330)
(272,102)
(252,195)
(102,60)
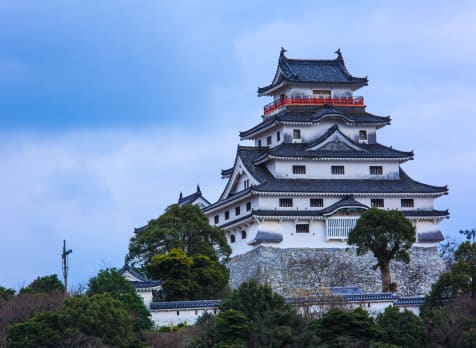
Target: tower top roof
(322,71)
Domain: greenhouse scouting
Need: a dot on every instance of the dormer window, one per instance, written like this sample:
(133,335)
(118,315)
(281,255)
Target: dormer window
(296,134)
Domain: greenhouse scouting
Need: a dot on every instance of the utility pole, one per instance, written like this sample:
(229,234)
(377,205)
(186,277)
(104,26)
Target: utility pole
(64,257)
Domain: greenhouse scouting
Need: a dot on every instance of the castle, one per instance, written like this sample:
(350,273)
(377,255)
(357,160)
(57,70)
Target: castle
(291,199)
(315,166)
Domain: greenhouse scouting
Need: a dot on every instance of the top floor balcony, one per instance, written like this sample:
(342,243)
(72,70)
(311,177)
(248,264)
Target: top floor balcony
(310,100)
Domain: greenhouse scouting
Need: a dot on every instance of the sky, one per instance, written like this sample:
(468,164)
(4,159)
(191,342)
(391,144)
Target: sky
(108,109)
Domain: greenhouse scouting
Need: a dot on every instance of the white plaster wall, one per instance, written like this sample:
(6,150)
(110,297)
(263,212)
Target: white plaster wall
(313,132)
(322,170)
(146,297)
(170,317)
(299,202)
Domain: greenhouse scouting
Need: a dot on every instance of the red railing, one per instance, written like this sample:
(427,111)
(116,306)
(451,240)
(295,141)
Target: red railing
(342,101)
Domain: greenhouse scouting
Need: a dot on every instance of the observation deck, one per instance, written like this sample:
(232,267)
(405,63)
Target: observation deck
(306,100)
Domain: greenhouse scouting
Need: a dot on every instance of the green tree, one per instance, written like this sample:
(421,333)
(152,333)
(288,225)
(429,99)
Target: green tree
(254,300)
(83,320)
(403,329)
(44,284)
(183,227)
(174,269)
(112,282)
(232,326)
(388,234)
(338,328)
(6,294)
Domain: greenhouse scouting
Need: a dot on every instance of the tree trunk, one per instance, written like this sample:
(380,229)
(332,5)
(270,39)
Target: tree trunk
(386,280)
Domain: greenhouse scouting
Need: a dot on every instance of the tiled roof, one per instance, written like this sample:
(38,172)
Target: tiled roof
(190,199)
(412,301)
(303,150)
(329,71)
(326,212)
(317,114)
(433,236)
(185,304)
(146,284)
(346,202)
(269,237)
(404,184)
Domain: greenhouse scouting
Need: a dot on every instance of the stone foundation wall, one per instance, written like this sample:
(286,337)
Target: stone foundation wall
(294,272)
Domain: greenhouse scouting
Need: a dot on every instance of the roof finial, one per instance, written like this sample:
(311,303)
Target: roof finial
(198,189)
(339,53)
(283,50)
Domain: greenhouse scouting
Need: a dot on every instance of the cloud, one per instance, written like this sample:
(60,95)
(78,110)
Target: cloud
(92,188)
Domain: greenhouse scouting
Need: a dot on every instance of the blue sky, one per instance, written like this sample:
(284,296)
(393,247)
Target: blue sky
(109,109)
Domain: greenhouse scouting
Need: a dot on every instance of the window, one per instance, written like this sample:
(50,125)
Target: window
(232,238)
(296,134)
(376,170)
(278,136)
(285,202)
(376,203)
(317,202)
(178,312)
(299,169)
(337,170)
(319,93)
(243,234)
(248,206)
(259,143)
(217,219)
(362,135)
(246,183)
(268,140)
(237,211)
(227,215)
(302,228)
(407,203)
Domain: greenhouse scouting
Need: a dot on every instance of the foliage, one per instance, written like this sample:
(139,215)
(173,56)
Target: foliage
(112,282)
(6,294)
(254,300)
(180,227)
(96,318)
(459,281)
(403,329)
(189,278)
(254,316)
(44,285)
(449,310)
(388,234)
(446,250)
(338,328)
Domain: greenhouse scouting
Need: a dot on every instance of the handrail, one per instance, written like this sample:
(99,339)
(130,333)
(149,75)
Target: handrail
(308,100)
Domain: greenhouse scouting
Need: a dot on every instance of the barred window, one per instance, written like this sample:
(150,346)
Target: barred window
(232,238)
(237,211)
(227,215)
(217,219)
(376,170)
(268,140)
(302,228)
(248,206)
(407,203)
(285,202)
(362,135)
(278,136)
(296,134)
(243,234)
(317,202)
(299,169)
(376,203)
(337,170)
